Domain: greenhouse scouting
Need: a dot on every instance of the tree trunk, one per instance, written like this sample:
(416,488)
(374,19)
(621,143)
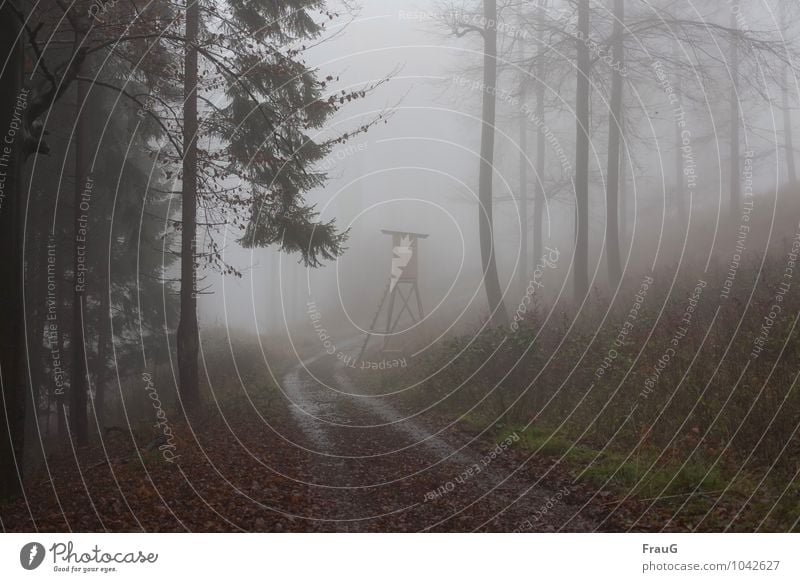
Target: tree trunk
(78,376)
(36,338)
(680,194)
(581,259)
(623,203)
(678,202)
(614,138)
(61,397)
(103,338)
(103,287)
(498,315)
(273,319)
(59,367)
(788,141)
(188,340)
(734,103)
(37,310)
(541,145)
(294,294)
(12,370)
(523,181)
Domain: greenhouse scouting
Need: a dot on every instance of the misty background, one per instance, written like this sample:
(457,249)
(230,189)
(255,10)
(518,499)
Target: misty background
(418,172)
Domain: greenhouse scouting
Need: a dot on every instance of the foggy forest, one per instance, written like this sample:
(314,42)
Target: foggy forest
(399,266)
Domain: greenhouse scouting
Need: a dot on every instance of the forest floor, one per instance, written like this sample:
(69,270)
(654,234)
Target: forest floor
(334,460)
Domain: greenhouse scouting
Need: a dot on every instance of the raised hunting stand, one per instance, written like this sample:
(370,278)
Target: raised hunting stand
(404,277)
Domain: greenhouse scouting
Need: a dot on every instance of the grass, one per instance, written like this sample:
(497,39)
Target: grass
(673,414)
(645,475)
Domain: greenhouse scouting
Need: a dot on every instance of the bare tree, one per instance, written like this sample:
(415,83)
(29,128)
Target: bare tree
(679,193)
(735,113)
(788,140)
(523,178)
(541,145)
(614,137)
(487,29)
(491,281)
(582,97)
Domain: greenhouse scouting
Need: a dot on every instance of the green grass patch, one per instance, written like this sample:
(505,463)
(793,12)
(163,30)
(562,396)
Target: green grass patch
(644,473)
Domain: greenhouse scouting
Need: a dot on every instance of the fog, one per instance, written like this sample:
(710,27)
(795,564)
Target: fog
(566,299)
(418,172)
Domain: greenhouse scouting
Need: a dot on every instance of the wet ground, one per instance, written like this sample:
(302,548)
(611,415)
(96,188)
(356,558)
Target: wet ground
(324,456)
(374,467)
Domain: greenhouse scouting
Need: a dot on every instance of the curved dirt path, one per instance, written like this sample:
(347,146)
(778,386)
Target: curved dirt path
(374,469)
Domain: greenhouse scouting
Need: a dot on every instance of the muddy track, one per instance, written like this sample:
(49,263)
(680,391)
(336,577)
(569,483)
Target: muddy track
(372,468)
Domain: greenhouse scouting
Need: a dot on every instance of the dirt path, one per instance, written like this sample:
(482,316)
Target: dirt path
(374,468)
(323,457)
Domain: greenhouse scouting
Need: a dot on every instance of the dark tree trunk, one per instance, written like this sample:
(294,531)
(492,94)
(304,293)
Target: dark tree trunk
(680,193)
(523,182)
(36,337)
(103,287)
(103,338)
(678,201)
(736,194)
(273,319)
(188,340)
(294,294)
(788,139)
(541,145)
(614,137)
(623,203)
(37,302)
(12,369)
(61,397)
(494,294)
(78,370)
(581,260)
